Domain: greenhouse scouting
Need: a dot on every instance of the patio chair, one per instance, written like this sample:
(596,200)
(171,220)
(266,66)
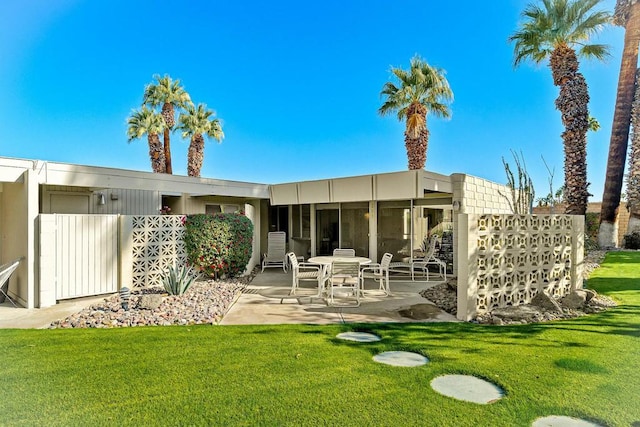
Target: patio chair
(421,264)
(431,259)
(6,270)
(276,250)
(304,271)
(344,281)
(378,272)
(344,252)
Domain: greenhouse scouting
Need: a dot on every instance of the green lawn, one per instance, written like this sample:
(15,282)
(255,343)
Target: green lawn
(302,375)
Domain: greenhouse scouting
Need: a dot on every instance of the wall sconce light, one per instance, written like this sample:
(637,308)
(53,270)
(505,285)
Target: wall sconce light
(114,196)
(456,205)
(101,200)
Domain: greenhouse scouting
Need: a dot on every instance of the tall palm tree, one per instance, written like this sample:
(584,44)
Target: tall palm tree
(196,123)
(554,31)
(147,122)
(169,95)
(626,14)
(422,89)
(633,179)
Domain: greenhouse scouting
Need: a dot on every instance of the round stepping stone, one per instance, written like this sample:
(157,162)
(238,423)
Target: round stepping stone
(358,337)
(401,358)
(467,388)
(562,421)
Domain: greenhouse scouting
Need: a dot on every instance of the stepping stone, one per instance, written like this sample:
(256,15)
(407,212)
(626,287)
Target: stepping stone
(401,358)
(358,337)
(562,421)
(467,388)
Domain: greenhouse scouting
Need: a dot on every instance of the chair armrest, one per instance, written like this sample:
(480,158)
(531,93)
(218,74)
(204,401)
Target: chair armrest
(373,267)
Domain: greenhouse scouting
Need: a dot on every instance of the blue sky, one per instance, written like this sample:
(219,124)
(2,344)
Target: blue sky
(296,85)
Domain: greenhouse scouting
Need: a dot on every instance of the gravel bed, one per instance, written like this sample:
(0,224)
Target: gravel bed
(205,302)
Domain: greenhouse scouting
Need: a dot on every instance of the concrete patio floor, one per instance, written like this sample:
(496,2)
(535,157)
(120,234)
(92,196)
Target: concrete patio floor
(267,301)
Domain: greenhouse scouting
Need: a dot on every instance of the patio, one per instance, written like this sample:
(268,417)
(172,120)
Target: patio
(267,301)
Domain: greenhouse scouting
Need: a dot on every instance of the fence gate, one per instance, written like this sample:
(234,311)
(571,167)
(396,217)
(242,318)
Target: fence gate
(82,255)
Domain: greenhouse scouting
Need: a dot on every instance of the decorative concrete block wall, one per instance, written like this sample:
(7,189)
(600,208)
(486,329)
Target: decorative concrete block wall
(505,260)
(153,242)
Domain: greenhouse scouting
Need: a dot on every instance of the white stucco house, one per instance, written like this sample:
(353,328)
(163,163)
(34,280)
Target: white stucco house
(46,206)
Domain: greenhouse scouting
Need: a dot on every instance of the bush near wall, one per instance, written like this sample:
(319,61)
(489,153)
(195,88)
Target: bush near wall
(219,244)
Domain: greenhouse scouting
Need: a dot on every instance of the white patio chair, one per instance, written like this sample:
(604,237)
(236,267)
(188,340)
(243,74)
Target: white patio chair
(378,272)
(344,281)
(431,259)
(276,250)
(344,252)
(304,271)
(6,270)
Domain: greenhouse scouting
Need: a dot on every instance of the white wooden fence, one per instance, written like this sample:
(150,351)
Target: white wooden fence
(79,256)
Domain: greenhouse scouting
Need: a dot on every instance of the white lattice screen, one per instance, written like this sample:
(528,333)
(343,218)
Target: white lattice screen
(510,258)
(158,242)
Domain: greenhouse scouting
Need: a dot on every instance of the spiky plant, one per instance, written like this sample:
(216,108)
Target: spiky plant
(553,31)
(196,123)
(627,15)
(169,95)
(147,122)
(421,90)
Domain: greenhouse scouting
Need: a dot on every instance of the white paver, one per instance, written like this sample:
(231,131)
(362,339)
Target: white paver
(562,421)
(467,388)
(358,337)
(401,358)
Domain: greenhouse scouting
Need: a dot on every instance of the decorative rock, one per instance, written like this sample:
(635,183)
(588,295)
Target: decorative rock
(547,302)
(575,300)
(150,301)
(590,294)
(518,313)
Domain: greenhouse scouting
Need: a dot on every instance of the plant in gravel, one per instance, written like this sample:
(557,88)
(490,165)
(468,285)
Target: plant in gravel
(219,244)
(177,279)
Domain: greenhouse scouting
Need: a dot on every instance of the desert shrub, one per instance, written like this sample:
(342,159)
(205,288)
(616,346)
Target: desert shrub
(632,241)
(176,280)
(219,244)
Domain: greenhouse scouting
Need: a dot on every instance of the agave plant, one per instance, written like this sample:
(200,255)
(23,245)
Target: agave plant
(177,280)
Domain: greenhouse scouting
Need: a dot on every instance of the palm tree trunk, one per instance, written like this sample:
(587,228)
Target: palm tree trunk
(633,181)
(416,136)
(156,153)
(196,155)
(608,233)
(170,120)
(572,102)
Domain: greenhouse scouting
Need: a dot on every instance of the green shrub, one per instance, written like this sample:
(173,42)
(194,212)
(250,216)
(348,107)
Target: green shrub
(177,280)
(219,244)
(632,241)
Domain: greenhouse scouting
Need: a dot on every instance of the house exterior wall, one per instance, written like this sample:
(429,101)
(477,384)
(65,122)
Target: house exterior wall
(117,200)
(19,210)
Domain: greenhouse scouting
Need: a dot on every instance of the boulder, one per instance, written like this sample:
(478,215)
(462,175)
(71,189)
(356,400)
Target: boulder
(150,301)
(546,302)
(575,300)
(522,313)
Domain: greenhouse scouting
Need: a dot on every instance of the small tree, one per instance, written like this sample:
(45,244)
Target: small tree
(521,197)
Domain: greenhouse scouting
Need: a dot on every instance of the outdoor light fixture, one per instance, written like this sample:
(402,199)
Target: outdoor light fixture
(125,294)
(101,200)
(456,205)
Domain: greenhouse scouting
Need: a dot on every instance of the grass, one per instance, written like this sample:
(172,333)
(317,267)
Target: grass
(301,375)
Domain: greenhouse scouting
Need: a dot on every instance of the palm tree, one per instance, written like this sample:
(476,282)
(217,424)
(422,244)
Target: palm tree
(147,121)
(196,123)
(169,95)
(423,89)
(554,31)
(633,179)
(626,14)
